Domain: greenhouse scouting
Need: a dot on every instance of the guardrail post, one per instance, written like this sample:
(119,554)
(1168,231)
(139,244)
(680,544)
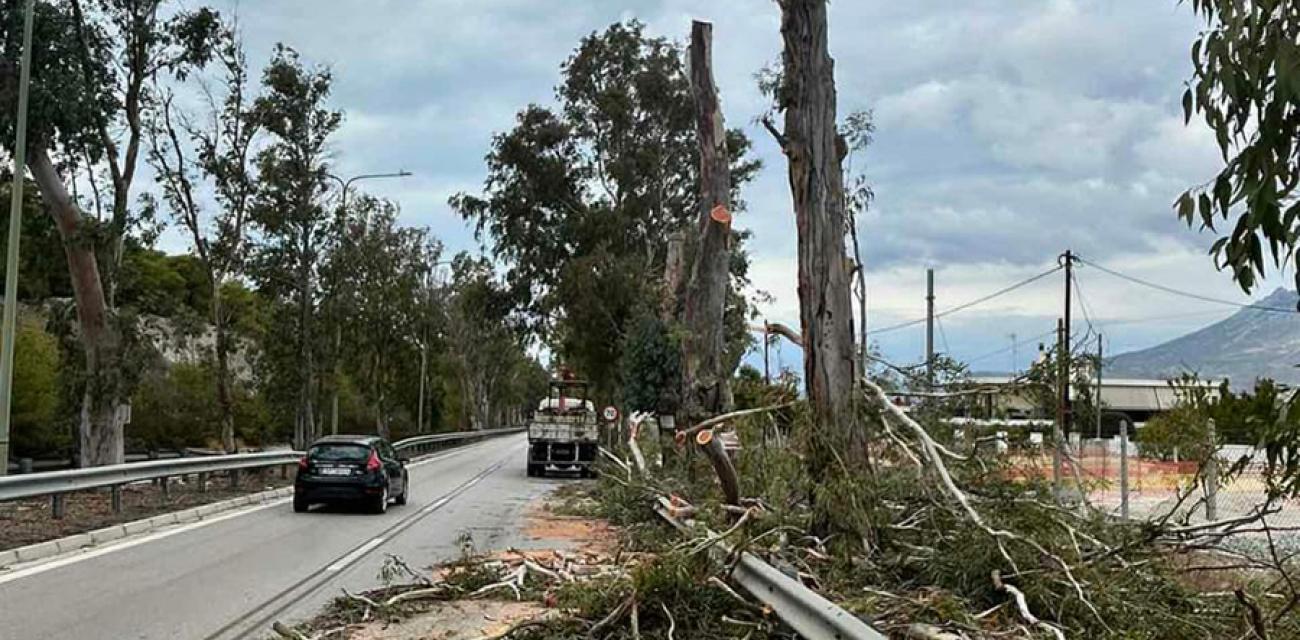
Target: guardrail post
(166,488)
(234,478)
(116,492)
(203,483)
(284,471)
(24,465)
(57,506)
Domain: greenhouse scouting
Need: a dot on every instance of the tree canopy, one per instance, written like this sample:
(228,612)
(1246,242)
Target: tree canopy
(1245,86)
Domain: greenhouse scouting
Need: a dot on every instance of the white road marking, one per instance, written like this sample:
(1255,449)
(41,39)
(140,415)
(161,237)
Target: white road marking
(356,553)
(127,544)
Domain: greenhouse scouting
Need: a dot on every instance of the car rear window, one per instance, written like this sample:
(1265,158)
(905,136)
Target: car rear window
(340,452)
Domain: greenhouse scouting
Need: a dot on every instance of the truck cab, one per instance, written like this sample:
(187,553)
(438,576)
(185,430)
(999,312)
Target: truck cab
(564,432)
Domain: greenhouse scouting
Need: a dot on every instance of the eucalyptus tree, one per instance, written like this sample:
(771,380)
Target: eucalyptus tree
(213,152)
(95,70)
(294,228)
(1245,86)
(389,267)
(580,199)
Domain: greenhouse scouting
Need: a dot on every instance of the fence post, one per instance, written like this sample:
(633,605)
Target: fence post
(1212,475)
(1123,468)
(116,493)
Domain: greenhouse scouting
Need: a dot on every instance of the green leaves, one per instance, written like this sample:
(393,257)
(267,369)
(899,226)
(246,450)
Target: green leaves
(1246,87)
(580,199)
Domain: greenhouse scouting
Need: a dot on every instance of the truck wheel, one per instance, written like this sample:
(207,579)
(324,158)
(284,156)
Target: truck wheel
(536,470)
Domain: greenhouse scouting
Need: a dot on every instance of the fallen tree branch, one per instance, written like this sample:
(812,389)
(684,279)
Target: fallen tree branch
(685,434)
(1256,617)
(1023,606)
(414,595)
(517,627)
(285,632)
(931,450)
(634,428)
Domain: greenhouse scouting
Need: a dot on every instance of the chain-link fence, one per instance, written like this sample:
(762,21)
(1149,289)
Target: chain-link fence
(1126,481)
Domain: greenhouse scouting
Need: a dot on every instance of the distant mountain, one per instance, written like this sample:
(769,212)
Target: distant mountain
(1247,345)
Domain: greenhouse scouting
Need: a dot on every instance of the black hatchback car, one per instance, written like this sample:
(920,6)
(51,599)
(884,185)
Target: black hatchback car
(363,469)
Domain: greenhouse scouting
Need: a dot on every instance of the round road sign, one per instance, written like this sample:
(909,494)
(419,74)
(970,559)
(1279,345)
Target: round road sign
(610,413)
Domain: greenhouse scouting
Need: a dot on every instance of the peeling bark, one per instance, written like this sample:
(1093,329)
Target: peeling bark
(100,432)
(704,378)
(815,150)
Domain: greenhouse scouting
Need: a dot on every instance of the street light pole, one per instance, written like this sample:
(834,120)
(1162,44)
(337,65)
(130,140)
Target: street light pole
(344,185)
(8,330)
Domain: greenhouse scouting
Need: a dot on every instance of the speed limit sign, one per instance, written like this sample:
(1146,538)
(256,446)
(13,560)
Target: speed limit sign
(610,414)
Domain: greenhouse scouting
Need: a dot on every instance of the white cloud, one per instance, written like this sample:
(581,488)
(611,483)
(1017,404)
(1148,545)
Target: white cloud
(1007,132)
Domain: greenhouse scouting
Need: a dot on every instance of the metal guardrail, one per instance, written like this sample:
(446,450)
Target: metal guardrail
(804,610)
(34,485)
(57,483)
(424,443)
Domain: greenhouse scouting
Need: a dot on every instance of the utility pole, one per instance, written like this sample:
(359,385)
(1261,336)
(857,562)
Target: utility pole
(1062,344)
(767,343)
(929,328)
(1068,413)
(15,234)
(1097,401)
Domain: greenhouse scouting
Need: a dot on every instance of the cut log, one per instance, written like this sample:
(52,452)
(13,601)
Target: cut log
(712,447)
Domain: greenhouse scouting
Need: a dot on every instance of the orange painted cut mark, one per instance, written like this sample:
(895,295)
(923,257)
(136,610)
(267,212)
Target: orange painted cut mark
(720,214)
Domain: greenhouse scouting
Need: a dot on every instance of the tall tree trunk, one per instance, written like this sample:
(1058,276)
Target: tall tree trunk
(224,402)
(100,430)
(305,351)
(815,150)
(704,380)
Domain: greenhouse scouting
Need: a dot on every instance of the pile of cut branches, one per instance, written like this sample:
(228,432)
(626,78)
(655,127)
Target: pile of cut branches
(932,542)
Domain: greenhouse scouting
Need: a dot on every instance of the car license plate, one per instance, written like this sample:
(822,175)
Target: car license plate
(335,471)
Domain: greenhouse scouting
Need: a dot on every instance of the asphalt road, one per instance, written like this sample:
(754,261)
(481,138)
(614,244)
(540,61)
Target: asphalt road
(232,576)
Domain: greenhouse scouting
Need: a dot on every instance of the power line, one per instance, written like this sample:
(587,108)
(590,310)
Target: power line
(1083,304)
(1013,345)
(1180,292)
(977,301)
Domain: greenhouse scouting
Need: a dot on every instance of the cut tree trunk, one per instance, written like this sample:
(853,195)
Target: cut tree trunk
(100,435)
(704,380)
(815,150)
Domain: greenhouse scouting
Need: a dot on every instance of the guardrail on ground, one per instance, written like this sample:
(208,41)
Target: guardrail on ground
(59,483)
(804,610)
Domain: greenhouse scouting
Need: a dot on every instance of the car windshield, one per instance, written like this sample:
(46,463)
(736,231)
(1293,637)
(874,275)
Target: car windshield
(340,452)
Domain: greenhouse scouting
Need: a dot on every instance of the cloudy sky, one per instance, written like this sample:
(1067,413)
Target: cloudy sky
(1008,131)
